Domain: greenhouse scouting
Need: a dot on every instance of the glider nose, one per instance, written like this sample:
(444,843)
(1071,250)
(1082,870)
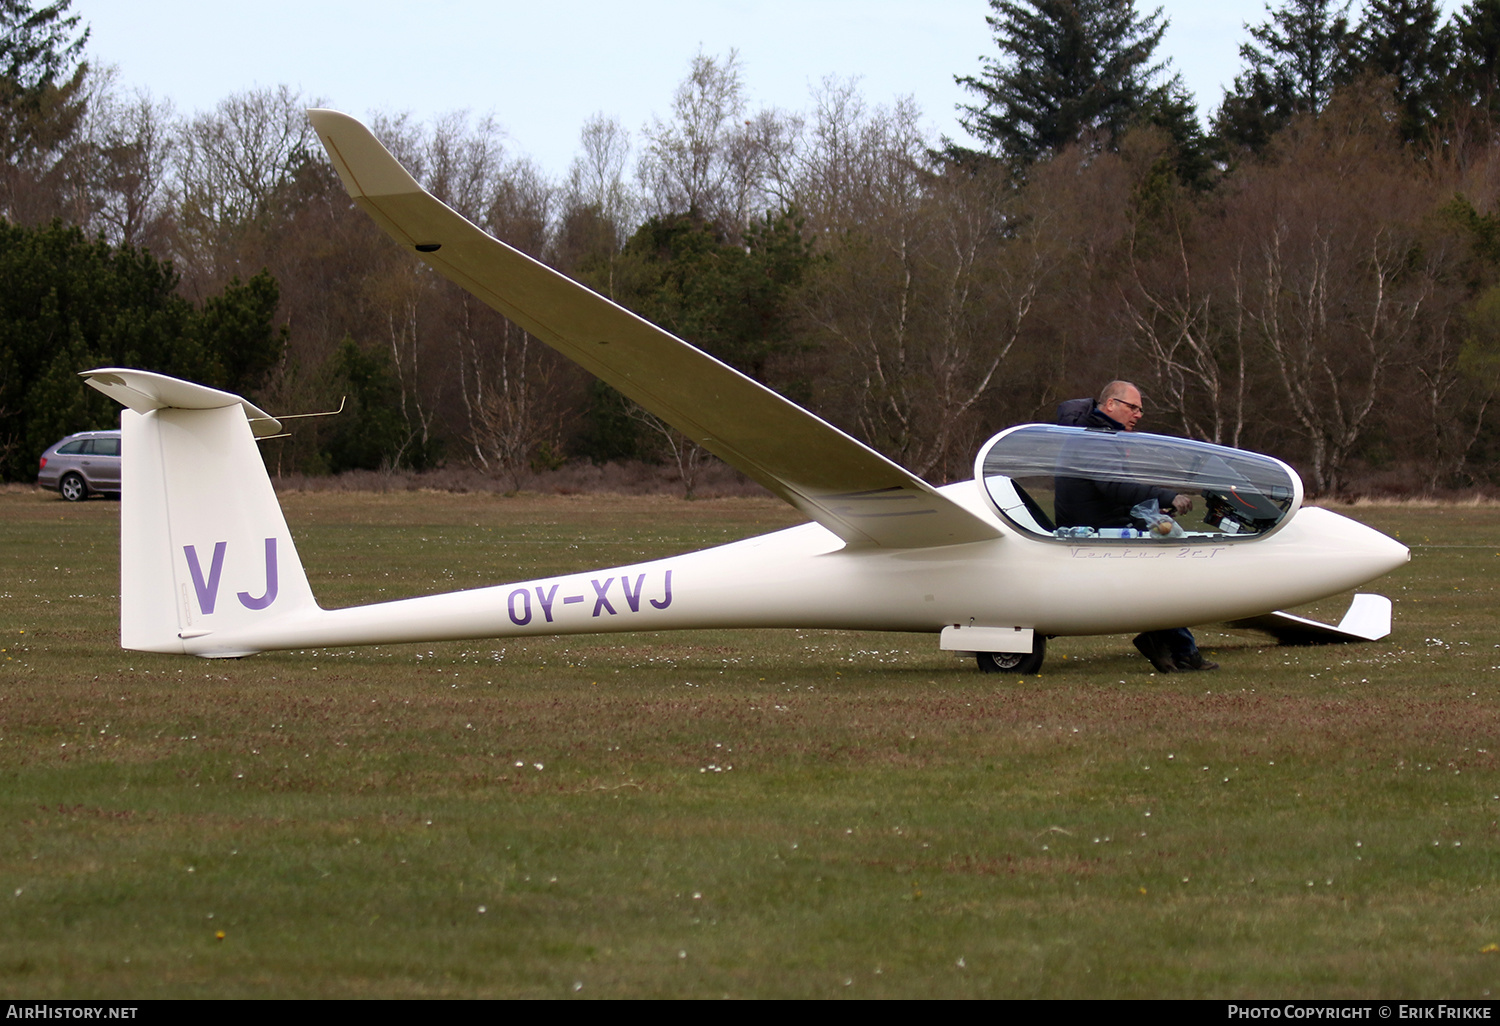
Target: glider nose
(1394,553)
(1377,553)
(1339,553)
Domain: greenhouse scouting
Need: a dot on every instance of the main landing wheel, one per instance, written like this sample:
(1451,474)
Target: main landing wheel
(1024,663)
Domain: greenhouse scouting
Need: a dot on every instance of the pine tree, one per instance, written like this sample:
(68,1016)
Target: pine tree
(1171,108)
(1067,68)
(1401,40)
(1476,66)
(68,302)
(1295,62)
(35,48)
(41,94)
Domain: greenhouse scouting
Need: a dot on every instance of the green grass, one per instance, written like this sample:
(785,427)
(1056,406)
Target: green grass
(1304,822)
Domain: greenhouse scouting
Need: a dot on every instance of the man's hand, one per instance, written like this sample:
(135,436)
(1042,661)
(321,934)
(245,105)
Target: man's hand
(1181,504)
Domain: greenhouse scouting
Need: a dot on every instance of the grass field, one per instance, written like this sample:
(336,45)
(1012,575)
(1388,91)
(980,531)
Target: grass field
(772,814)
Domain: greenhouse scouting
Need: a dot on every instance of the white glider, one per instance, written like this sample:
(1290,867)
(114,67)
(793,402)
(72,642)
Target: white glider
(209,568)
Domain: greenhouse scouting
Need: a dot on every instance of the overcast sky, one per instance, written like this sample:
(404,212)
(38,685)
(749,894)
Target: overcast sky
(542,69)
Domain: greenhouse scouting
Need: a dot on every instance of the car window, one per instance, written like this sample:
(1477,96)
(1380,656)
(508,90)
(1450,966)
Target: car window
(73,448)
(106,447)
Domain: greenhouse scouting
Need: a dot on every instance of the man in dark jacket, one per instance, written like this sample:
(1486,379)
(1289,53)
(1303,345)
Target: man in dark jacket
(1082,502)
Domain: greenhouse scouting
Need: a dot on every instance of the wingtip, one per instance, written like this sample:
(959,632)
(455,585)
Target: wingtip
(365,166)
(327,117)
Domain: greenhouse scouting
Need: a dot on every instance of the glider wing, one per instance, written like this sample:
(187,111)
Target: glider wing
(853,491)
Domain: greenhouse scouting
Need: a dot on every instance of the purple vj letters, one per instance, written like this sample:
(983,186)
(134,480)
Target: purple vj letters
(208,591)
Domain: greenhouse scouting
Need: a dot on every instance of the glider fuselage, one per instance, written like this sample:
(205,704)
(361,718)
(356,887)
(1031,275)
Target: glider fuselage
(806,577)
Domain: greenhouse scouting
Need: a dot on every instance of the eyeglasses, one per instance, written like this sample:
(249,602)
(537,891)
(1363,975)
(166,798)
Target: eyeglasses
(1132,406)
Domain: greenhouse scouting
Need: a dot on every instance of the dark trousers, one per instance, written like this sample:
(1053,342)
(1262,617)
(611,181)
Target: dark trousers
(1179,641)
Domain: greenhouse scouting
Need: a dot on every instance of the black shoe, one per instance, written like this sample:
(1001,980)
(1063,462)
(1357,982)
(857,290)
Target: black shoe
(1152,648)
(1194,662)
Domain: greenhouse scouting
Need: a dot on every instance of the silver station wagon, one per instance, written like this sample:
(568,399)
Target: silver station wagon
(82,464)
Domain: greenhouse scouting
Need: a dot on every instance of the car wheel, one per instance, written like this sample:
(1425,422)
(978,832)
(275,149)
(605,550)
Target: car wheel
(72,488)
(1024,663)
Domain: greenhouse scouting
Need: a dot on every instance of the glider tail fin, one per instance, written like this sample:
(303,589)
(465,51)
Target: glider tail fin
(205,554)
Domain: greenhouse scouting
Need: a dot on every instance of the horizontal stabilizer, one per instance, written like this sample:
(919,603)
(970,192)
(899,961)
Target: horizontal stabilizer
(143,391)
(1368,619)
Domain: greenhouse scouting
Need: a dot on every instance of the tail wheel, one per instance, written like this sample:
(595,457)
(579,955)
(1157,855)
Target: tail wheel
(1024,663)
(72,488)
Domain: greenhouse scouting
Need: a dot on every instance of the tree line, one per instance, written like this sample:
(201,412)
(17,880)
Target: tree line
(1310,270)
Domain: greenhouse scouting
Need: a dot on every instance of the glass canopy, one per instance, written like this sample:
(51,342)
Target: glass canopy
(1083,484)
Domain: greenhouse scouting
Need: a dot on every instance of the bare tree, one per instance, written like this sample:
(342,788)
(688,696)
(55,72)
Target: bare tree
(711,160)
(514,406)
(837,151)
(463,165)
(504,378)
(683,167)
(1458,377)
(929,289)
(130,140)
(1457,381)
(596,177)
(1335,320)
(401,298)
(599,208)
(509,381)
(689,457)
(231,165)
(1339,280)
(1194,341)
